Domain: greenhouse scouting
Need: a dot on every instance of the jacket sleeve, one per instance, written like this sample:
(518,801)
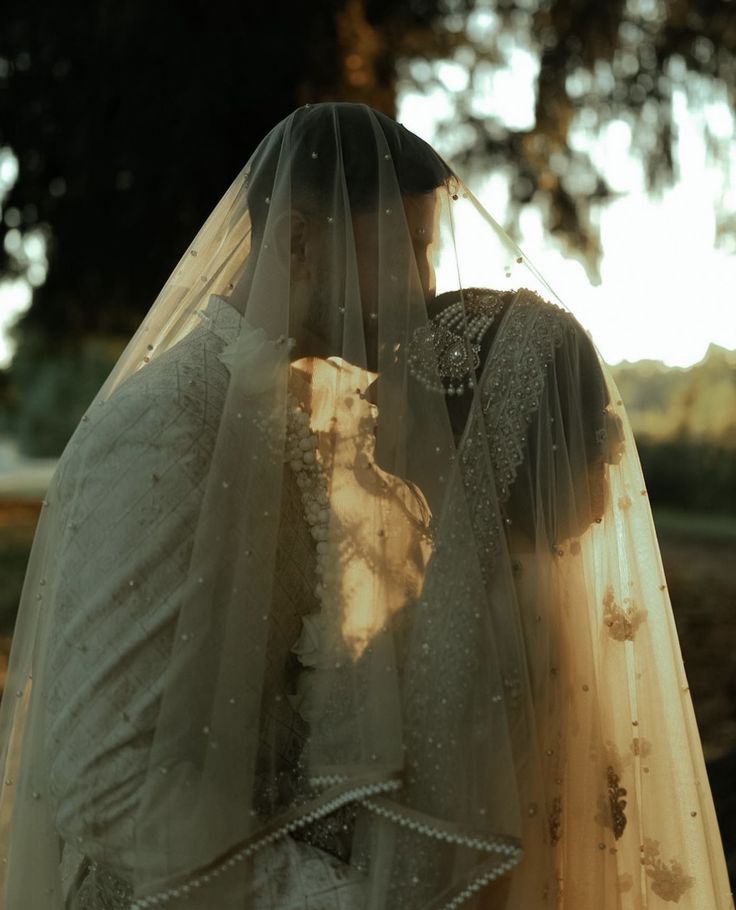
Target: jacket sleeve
(130,489)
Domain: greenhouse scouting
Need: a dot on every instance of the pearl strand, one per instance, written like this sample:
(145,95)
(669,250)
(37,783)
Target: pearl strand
(301,445)
(458,329)
(453,318)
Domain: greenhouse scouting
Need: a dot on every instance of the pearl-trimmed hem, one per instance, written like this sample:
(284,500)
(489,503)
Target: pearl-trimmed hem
(504,846)
(356,793)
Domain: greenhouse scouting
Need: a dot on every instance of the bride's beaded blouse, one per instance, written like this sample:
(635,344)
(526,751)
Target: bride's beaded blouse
(464,357)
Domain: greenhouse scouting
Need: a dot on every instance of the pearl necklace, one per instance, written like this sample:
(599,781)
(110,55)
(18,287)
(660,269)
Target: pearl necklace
(445,348)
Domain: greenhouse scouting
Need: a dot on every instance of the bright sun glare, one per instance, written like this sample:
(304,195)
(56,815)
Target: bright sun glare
(665,291)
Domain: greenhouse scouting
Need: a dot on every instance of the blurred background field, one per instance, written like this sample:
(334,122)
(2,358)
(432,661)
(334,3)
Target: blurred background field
(600,133)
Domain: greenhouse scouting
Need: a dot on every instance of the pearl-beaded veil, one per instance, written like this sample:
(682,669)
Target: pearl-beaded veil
(321,564)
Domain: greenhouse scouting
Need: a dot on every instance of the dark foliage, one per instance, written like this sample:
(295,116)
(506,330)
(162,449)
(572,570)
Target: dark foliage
(689,475)
(129,120)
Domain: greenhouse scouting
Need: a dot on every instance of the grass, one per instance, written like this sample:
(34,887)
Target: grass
(700,527)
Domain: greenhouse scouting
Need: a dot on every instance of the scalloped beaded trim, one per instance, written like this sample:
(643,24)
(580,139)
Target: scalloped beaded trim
(478,843)
(508,845)
(510,848)
(477,883)
(326,780)
(356,793)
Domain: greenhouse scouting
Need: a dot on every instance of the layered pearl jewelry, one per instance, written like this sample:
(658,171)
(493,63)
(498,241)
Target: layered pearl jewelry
(446,349)
(301,445)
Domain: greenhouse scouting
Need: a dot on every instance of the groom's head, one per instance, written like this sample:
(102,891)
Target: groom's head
(346,197)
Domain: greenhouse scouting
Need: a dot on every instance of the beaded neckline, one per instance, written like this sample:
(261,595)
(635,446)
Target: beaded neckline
(445,353)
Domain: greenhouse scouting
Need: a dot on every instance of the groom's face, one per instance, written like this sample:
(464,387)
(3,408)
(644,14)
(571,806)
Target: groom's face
(405,239)
(374,239)
(374,244)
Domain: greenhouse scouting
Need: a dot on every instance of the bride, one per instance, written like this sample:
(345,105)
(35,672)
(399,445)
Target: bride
(345,594)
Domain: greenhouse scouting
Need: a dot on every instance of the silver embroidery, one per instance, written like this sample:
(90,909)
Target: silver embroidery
(511,387)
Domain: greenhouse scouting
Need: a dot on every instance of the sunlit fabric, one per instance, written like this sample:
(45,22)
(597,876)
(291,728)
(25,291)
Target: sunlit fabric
(346,593)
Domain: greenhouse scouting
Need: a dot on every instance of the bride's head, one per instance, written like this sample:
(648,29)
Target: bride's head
(344,201)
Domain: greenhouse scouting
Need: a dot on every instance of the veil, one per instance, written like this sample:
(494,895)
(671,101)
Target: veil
(345,592)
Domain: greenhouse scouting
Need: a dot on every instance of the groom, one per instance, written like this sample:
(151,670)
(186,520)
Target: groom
(129,487)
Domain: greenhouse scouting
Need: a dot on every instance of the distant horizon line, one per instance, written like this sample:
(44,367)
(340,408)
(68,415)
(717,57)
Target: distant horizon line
(712,349)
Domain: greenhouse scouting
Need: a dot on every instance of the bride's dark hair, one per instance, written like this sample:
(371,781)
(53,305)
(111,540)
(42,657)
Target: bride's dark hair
(308,136)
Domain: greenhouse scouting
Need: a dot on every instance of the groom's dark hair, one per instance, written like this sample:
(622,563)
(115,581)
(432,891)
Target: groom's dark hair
(318,141)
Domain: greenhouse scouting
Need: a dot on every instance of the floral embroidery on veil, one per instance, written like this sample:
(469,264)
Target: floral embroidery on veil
(622,622)
(668,881)
(616,802)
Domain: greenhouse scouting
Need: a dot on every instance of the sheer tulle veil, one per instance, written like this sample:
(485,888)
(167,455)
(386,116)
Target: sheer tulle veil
(350,566)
